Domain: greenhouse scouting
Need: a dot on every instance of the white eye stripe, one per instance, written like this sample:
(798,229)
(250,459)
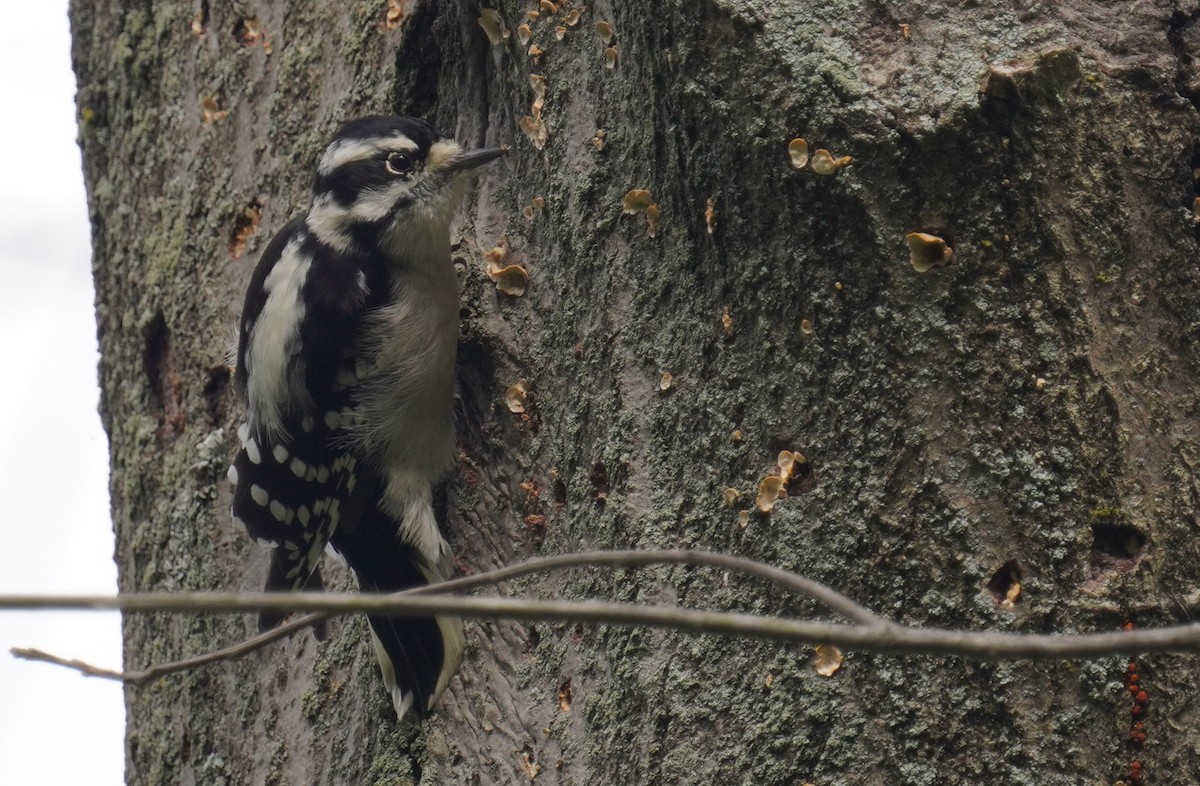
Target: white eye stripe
(348,150)
(375,204)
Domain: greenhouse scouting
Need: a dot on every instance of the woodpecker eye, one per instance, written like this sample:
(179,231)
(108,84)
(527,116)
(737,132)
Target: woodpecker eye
(399,163)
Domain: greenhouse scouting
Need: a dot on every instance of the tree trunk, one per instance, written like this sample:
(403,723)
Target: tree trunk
(1007,442)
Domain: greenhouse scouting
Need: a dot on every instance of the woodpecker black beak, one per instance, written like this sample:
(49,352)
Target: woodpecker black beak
(471,159)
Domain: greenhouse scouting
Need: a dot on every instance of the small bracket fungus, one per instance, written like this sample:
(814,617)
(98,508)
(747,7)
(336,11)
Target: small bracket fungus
(496,256)
(533,208)
(610,57)
(653,219)
(510,280)
(597,140)
(538,83)
(395,14)
(211,111)
(824,162)
(798,152)
(244,226)
(639,200)
(791,468)
(606,32)
(665,382)
(524,34)
(710,215)
(827,659)
(731,496)
(768,492)
(928,251)
(534,129)
(516,397)
(493,25)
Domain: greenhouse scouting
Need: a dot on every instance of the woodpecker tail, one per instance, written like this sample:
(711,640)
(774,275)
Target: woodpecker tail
(417,655)
(279,581)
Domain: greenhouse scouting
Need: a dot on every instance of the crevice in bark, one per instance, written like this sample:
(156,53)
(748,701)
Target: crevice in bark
(1002,582)
(163,380)
(1180,29)
(218,396)
(1116,547)
(419,61)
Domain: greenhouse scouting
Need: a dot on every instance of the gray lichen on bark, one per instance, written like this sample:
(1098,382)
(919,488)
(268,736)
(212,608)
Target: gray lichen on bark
(1053,146)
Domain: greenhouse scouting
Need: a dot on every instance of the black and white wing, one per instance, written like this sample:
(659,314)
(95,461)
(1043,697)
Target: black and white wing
(295,478)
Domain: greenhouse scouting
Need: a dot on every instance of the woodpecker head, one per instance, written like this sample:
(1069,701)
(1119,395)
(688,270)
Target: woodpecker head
(388,182)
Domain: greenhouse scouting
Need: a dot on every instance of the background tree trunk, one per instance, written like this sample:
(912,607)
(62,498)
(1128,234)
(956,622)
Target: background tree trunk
(1053,145)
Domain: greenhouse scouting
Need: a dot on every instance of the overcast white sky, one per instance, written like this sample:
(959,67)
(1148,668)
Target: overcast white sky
(56,727)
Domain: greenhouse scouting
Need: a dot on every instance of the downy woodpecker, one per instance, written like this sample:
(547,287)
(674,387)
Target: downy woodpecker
(345,362)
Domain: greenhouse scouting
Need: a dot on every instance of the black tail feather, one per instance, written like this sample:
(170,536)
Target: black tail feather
(417,651)
(277,581)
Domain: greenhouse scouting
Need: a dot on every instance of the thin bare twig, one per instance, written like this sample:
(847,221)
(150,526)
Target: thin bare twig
(629,558)
(160,670)
(868,633)
(793,582)
(891,639)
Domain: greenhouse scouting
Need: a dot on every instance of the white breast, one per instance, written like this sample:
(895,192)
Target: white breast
(406,401)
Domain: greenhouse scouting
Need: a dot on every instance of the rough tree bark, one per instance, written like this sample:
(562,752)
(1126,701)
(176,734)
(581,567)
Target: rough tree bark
(1053,145)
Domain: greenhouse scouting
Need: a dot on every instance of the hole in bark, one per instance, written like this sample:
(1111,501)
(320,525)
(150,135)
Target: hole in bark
(476,389)
(200,20)
(708,352)
(162,379)
(599,480)
(560,493)
(802,479)
(419,61)
(244,226)
(532,639)
(216,392)
(1193,198)
(535,529)
(1116,546)
(1006,580)
(1177,37)
(247,31)
(564,695)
